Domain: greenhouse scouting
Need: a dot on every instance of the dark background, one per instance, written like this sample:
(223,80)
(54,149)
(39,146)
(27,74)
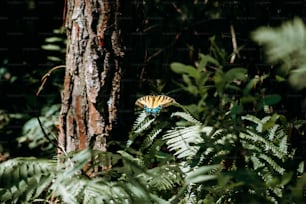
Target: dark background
(154,34)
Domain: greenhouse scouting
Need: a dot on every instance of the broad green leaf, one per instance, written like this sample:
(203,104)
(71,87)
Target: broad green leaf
(269,100)
(247,99)
(180,68)
(279,78)
(187,80)
(286,178)
(271,122)
(202,178)
(235,74)
(191,88)
(219,81)
(236,110)
(253,83)
(233,87)
(205,59)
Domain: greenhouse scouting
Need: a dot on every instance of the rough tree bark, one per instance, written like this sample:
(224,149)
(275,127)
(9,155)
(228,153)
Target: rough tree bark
(93,73)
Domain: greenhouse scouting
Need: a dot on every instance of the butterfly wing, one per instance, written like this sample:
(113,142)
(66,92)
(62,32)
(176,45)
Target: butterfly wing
(153,104)
(145,101)
(162,101)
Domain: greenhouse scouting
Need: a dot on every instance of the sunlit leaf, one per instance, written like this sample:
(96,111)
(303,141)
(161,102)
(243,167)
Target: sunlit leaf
(180,68)
(235,74)
(202,174)
(51,47)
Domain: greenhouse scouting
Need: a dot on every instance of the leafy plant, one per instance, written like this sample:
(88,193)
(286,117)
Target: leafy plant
(56,46)
(286,46)
(259,149)
(226,144)
(25,180)
(40,133)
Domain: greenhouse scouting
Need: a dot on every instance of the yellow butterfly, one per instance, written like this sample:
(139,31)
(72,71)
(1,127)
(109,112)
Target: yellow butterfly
(153,104)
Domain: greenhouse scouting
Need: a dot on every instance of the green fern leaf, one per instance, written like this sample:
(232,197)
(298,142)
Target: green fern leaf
(141,117)
(281,42)
(256,162)
(150,138)
(183,140)
(202,174)
(144,125)
(24,179)
(163,177)
(272,163)
(286,45)
(267,145)
(185,116)
(64,192)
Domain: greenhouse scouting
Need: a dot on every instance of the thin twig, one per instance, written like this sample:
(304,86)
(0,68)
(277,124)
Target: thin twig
(150,28)
(177,36)
(47,137)
(234,42)
(45,77)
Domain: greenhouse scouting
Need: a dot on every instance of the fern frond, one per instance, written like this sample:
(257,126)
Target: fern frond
(283,41)
(272,163)
(154,152)
(203,174)
(256,162)
(286,45)
(65,189)
(272,132)
(100,191)
(137,189)
(163,177)
(141,117)
(222,137)
(144,125)
(183,140)
(24,179)
(141,124)
(259,122)
(283,146)
(265,144)
(150,138)
(136,163)
(186,116)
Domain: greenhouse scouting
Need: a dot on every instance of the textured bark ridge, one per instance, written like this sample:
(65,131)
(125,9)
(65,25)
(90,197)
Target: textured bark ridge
(93,73)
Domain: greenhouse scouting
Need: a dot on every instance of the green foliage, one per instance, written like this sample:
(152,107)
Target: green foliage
(205,136)
(227,144)
(41,136)
(56,46)
(286,46)
(26,180)
(263,152)
(185,139)
(230,143)
(213,88)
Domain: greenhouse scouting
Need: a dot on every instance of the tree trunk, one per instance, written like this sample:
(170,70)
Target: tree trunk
(93,73)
